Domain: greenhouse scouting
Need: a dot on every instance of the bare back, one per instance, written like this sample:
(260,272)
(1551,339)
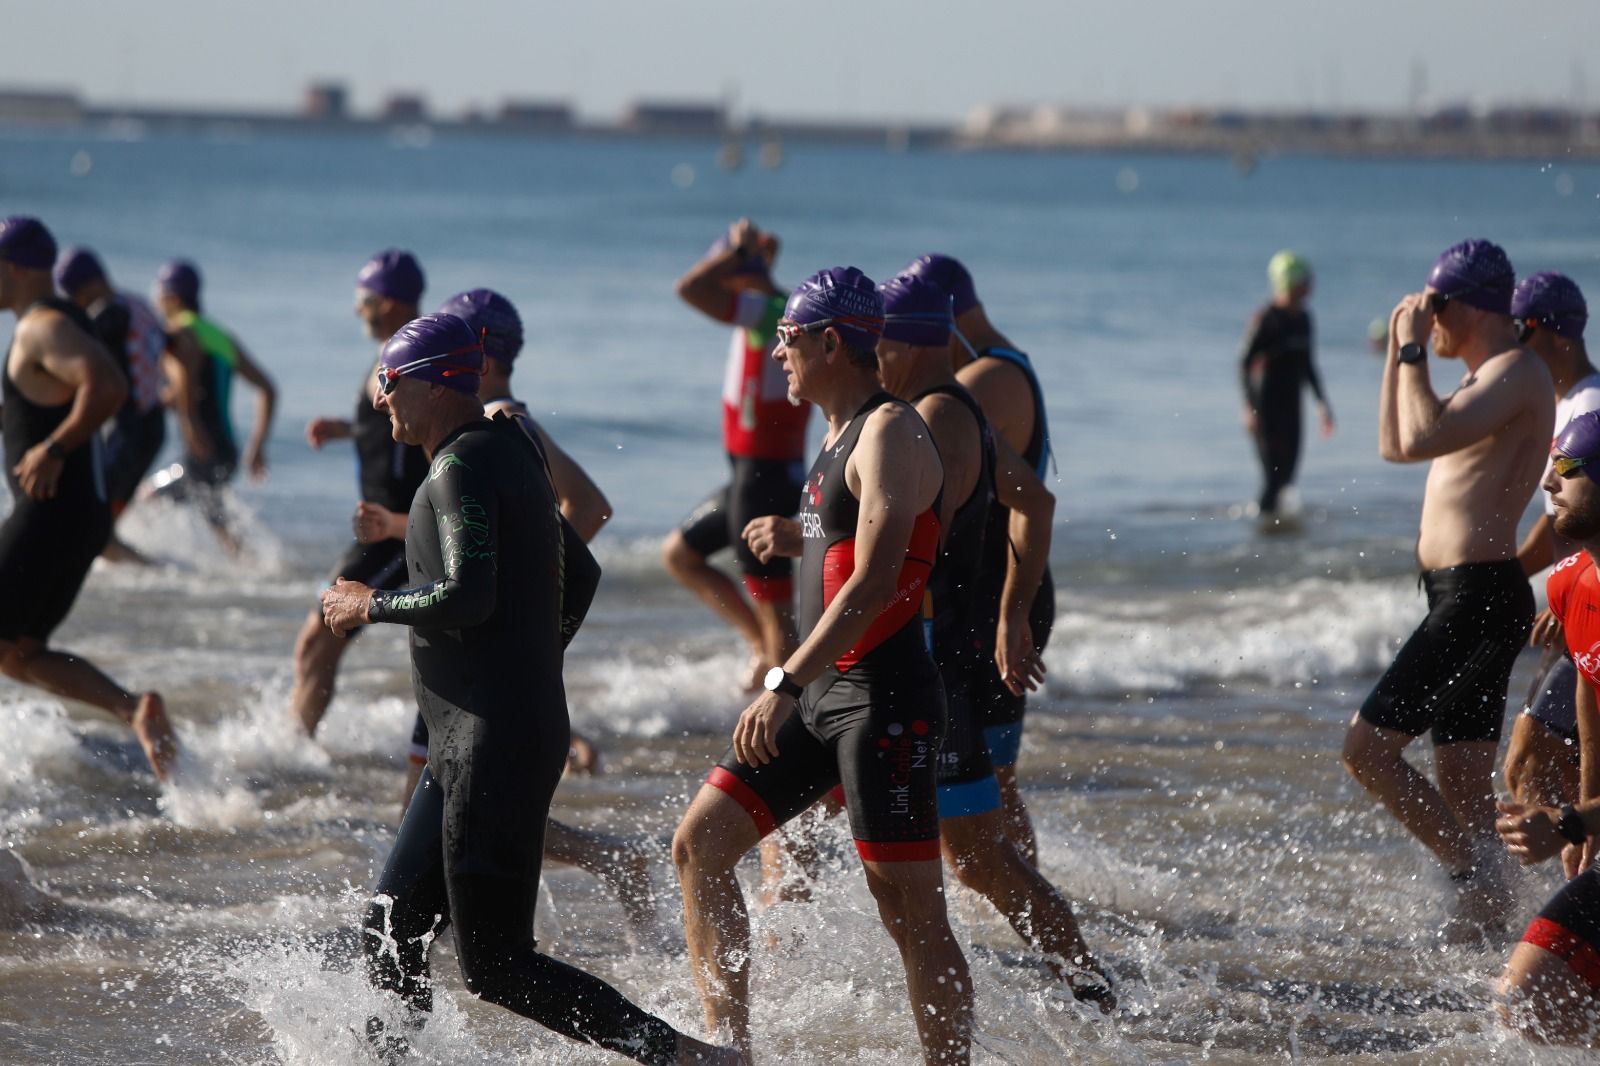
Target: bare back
(1477,494)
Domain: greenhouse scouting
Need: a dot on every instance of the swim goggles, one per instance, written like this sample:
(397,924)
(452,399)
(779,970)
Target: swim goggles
(1566,466)
(389,376)
(787,332)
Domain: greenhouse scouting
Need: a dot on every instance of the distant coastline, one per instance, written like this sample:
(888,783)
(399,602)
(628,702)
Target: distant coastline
(1545,133)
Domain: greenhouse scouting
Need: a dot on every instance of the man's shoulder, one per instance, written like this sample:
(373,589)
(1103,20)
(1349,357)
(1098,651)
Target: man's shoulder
(1566,579)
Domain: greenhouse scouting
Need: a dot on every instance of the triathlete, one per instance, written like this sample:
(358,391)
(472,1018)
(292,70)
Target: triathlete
(128,329)
(1001,379)
(618,861)
(1541,757)
(484,547)
(204,358)
(1551,985)
(764,432)
(388,472)
(59,386)
(1487,441)
(860,701)
(1276,366)
(914,364)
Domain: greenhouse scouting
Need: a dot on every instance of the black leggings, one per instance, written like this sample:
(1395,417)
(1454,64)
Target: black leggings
(1278,446)
(420,893)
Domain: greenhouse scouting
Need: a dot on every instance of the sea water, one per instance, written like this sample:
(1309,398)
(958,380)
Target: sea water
(1181,764)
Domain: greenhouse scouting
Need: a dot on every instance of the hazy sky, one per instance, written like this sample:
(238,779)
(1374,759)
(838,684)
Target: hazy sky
(930,59)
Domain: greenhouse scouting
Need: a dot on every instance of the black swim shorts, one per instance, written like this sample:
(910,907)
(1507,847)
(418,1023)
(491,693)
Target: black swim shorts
(759,487)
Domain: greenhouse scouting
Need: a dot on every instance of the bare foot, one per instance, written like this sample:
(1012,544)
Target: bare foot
(698,1053)
(116,551)
(582,756)
(150,725)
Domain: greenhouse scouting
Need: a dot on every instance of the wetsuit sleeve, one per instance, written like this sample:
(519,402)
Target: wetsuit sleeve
(1311,366)
(1255,339)
(467,509)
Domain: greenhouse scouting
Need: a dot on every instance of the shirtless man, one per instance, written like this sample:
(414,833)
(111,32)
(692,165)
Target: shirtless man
(59,386)
(859,703)
(1541,758)
(1487,441)
(764,433)
(1001,379)
(1551,986)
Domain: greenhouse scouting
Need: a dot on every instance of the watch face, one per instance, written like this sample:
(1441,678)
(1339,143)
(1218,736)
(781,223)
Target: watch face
(774,679)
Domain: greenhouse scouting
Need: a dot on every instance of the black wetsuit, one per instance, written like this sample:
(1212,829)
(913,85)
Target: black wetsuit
(873,719)
(46,546)
(484,547)
(962,634)
(387,474)
(1277,364)
(1003,710)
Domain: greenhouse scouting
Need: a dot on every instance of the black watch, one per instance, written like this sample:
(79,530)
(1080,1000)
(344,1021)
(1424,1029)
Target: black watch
(54,449)
(1570,825)
(1412,353)
(778,680)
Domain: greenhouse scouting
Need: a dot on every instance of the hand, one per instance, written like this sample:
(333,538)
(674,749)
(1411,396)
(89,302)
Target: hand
(373,523)
(345,605)
(1572,860)
(1413,320)
(1020,665)
(772,535)
(1327,419)
(1546,630)
(255,461)
(755,736)
(320,431)
(1529,832)
(742,236)
(1252,421)
(39,472)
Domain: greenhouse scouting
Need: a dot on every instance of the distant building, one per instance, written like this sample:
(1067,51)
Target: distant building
(679,119)
(405,107)
(327,100)
(537,114)
(41,106)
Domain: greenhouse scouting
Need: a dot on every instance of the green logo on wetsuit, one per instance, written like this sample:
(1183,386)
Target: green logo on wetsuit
(445,462)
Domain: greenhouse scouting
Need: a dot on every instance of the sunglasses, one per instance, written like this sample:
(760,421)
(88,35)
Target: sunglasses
(389,376)
(788,333)
(1566,466)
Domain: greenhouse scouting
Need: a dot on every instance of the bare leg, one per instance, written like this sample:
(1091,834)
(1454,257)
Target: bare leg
(714,833)
(1372,755)
(615,860)
(910,898)
(66,675)
(119,551)
(990,865)
(1541,768)
(1018,825)
(1545,1001)
(1466,781)
(715,589)
(582,756)
(316,665)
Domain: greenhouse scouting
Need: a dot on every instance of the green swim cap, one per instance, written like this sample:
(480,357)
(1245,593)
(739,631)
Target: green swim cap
(1287,270)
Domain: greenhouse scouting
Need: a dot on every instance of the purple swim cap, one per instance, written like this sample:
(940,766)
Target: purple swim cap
(949,275)
(441,349)
(1478,274)
(915,312)
(180,278)
(393,273)
(1580,439)
(492,318)
(77,267)
(1553,300)
(846,299)
(25,242)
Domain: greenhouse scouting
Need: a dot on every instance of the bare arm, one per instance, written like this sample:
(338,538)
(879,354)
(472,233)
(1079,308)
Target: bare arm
(1588,741)
(75,359)
(255,453)
(1430,427)
(1388,409)
(582,502)
(1032,509)
(183,362)
(704,287)
(1538,548)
